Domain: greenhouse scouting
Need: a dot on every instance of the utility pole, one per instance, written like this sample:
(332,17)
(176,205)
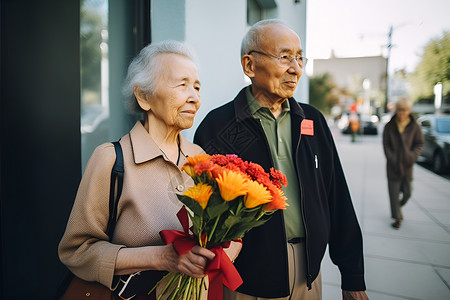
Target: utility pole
(389,46)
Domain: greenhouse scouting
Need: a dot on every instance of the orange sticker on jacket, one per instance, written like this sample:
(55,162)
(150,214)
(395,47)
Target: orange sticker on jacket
(307,127)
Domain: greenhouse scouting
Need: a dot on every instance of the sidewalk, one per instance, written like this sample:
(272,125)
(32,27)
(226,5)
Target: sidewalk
(412,262)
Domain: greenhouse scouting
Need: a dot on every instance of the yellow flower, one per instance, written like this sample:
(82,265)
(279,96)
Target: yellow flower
(200,193)
(189,169)
(231,185)
(257,194)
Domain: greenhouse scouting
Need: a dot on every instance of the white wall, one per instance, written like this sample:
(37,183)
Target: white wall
(295,16)
(215,28)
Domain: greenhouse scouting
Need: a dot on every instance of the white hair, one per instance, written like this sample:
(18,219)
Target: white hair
(252,40)
(144,69)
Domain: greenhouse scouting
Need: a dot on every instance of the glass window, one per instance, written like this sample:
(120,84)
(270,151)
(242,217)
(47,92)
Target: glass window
(426,124)
(254,12)
(443,125)
(94,76)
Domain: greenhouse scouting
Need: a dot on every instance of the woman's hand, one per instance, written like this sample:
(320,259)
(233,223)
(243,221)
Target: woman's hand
(192,263)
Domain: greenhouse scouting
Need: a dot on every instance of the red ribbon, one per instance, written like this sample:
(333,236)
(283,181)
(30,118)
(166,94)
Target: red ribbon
(220,270)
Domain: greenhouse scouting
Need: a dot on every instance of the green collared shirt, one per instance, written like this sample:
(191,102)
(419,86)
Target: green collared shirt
(279,138)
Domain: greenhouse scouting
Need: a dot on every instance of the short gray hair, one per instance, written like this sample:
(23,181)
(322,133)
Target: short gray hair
(404,102)
(144,69)
(252,40)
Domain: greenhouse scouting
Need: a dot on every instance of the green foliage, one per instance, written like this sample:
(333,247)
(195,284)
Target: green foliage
(323,92)
(91,26)
(433,68)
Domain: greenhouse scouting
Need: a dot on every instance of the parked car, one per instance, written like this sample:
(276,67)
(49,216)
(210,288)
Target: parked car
(367,124)
(436,130)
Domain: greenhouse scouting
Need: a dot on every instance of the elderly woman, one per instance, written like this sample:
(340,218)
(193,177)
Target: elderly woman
(163,83)
(402,142)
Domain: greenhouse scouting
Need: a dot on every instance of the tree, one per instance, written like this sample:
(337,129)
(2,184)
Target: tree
(433,68)
(319,89)
(324,93)
(91,26)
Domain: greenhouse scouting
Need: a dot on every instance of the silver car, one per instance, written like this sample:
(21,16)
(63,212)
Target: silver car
(436,130)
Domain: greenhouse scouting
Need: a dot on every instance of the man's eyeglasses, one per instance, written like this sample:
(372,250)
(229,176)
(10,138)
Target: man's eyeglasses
(285,60)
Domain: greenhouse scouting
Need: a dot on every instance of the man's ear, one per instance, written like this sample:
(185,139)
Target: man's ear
(141,98)
(248,65)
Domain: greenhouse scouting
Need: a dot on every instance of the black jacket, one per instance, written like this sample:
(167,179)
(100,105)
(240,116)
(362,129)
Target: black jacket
(327,209)
(402,150)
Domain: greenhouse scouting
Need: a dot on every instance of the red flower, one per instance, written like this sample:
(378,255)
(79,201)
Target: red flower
(256,172)
(278,178)
(203,166)
(219,159)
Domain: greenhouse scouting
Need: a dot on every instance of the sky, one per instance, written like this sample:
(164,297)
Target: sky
(353,28)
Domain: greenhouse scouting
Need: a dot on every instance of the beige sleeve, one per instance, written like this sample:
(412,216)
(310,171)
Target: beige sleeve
(84,247)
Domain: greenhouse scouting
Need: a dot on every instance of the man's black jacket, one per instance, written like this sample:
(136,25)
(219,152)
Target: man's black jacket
(327,208)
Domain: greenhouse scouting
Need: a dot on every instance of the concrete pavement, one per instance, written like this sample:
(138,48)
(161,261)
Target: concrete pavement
(412,262)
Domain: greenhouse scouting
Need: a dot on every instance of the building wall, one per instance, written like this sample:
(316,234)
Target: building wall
(345,70)
(215,30)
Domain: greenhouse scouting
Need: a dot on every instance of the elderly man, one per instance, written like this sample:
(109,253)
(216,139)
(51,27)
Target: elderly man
(264,124)
(402,144)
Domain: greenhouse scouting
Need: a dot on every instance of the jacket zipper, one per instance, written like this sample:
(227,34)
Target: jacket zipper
(302,205)
(308,275)
(272,163)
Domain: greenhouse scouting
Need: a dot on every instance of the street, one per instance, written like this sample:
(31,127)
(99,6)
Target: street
(412,262)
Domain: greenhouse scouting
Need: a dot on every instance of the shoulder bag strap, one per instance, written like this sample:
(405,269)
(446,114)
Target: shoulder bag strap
(116,186)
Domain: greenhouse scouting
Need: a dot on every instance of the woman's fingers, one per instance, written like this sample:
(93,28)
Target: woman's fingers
(208,254)
(192,263)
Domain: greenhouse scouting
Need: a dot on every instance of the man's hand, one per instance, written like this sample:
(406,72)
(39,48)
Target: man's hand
(354,295)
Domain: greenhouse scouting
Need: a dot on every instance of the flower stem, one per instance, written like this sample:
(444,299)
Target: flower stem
(201,288)
(213,229)
(188,289)
(261,213)
(239,208)
(169,284)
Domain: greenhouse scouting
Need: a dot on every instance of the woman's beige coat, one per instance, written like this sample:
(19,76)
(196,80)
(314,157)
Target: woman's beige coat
(148,204)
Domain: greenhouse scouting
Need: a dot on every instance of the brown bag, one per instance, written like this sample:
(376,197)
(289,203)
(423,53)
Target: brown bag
(81,289)
(75,288)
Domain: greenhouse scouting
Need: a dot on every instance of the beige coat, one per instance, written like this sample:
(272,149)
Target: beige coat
(148,204)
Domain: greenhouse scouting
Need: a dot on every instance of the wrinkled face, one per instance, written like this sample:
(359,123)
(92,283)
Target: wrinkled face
(403,112)
(270,78)
(177,94)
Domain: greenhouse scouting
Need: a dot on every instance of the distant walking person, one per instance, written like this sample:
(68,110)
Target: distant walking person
(402,142)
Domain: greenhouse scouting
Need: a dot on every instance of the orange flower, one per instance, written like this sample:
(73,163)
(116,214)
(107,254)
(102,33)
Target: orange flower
(257,194)
(197,164)
(231,185)
(278,200)
(201,193)
(193,160)
(189,169)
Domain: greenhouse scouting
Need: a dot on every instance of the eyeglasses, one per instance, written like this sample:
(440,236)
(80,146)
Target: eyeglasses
(285,60)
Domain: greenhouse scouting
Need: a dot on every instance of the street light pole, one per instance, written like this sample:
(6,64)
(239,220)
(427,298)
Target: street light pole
(389,46)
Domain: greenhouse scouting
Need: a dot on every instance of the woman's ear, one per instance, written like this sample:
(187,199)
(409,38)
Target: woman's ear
(141,98)
(248,65)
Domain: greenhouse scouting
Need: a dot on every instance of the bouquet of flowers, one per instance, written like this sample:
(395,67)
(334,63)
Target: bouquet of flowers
(230,197)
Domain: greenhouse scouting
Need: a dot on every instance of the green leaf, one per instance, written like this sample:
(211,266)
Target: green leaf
(216,210)
(231,221)
(193,205)
(241,228)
